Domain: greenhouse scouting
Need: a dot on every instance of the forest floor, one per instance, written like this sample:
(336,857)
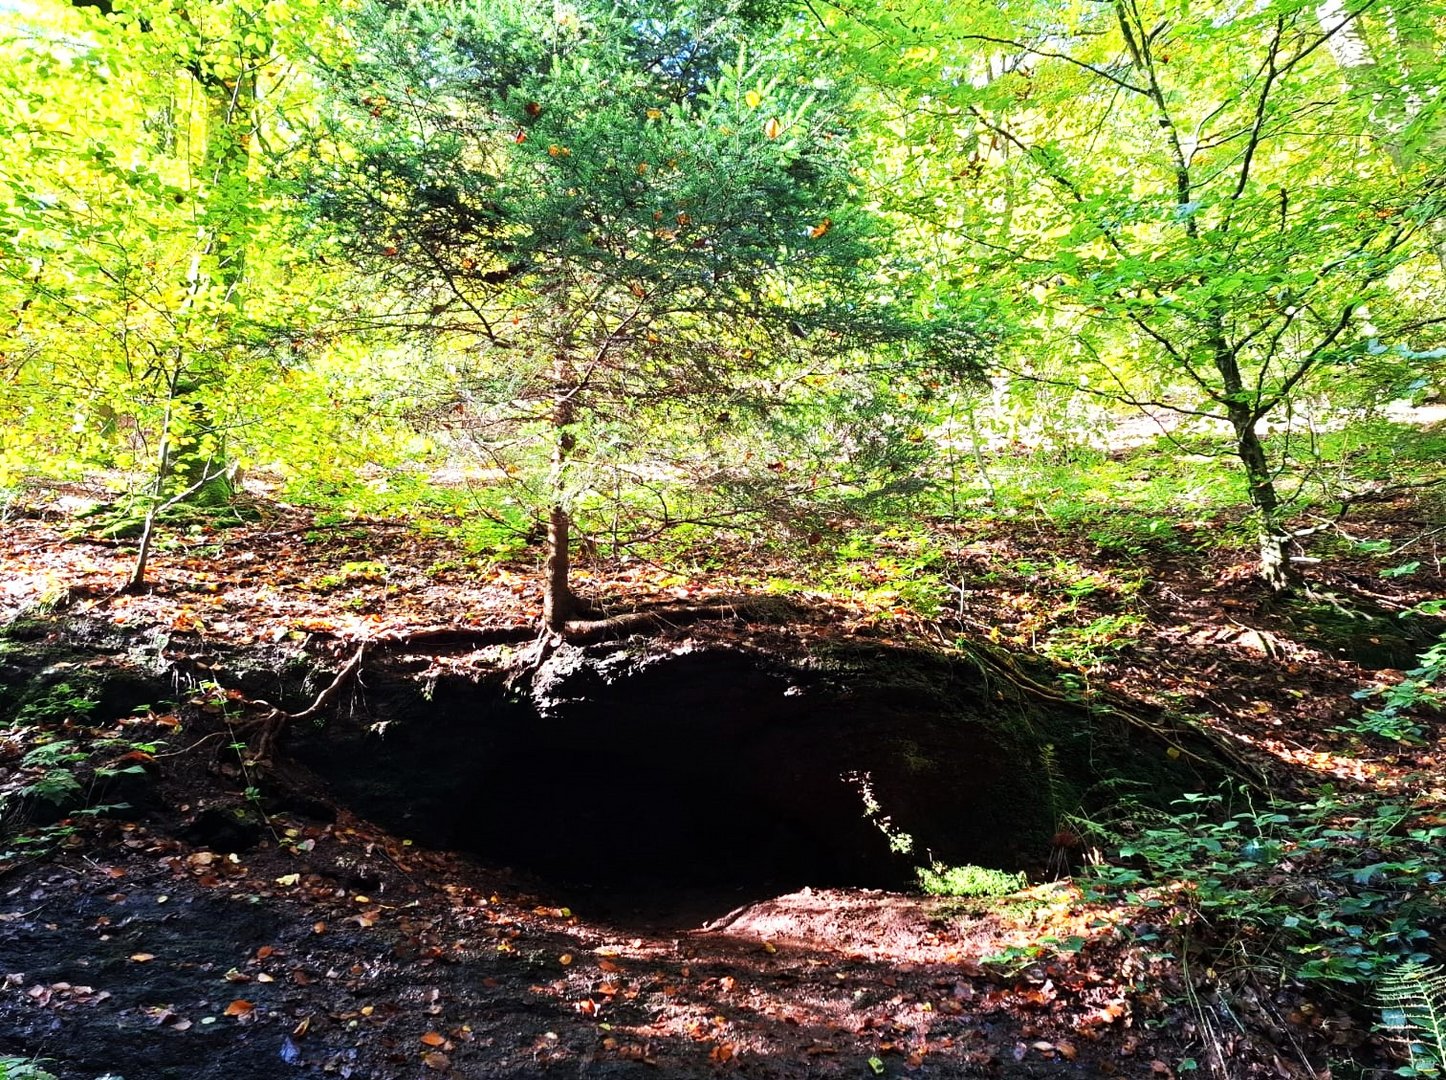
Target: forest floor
(324,946)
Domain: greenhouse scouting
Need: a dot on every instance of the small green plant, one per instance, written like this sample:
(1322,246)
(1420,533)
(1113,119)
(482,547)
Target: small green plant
(352,573)
(1404,570)
(1412,1000)
(17,1068)
(900,842)
(1015,958)
(1088,646)
(61,702)
(967,880)
(58,782)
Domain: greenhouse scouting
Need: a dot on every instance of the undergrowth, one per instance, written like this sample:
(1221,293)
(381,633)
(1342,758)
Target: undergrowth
(1335,890)
(1424,687)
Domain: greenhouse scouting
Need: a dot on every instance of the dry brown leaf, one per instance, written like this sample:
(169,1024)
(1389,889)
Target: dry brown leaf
(433,1038)
(435,1060)
(143,957)
(240,1007)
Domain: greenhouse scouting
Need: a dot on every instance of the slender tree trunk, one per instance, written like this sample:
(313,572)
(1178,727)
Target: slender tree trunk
(230,118)
(1275,568)
(978,451)
(558,602)
(557,598)
(1240,408)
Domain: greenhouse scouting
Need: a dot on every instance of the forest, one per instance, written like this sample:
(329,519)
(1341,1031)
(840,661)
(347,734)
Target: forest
(786,538)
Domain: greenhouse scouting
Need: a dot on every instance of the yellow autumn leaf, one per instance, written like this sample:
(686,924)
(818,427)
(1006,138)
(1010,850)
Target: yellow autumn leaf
(754,99)
(773,128)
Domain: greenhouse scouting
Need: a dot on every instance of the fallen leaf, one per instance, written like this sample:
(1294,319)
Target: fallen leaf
(436,1060)
(143,957)
(434,1038)
(239,1007)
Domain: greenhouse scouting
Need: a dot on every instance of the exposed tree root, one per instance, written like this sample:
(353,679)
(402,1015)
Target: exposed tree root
(1161,725)
(992,662)
(266,729)
(270,726)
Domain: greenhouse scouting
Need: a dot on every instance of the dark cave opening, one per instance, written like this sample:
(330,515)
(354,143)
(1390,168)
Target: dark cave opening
(714,774)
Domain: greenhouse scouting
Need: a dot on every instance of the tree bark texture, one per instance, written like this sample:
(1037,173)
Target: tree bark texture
(558,602)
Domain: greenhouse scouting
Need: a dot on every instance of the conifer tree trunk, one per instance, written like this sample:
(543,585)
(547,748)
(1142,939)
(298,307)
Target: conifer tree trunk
(558,602)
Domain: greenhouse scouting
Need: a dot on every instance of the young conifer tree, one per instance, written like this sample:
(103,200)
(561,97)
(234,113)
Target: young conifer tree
(621,215)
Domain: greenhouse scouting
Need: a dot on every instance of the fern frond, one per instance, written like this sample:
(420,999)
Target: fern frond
(1412,999)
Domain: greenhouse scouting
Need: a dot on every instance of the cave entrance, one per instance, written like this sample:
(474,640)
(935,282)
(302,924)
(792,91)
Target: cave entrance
(699,782)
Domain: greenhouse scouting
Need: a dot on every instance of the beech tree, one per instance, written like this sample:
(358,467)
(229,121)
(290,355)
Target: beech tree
(1186,207)
(143,324)
(615,217)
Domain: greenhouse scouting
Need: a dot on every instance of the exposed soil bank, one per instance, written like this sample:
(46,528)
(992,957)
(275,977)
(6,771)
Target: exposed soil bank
(640,767)
(677,778)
